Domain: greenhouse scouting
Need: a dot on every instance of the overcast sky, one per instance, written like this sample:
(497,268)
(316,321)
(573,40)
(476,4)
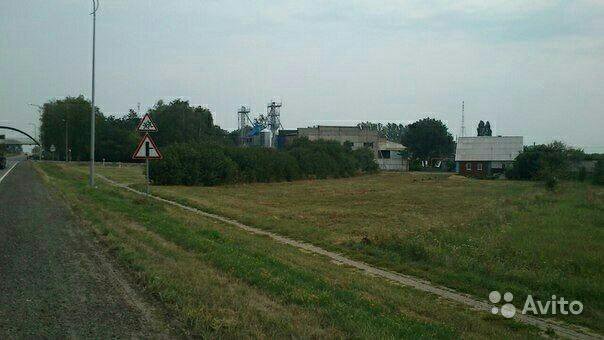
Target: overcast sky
(533,68)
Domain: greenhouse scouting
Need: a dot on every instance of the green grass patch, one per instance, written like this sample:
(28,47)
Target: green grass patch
(471,235)
(219,281)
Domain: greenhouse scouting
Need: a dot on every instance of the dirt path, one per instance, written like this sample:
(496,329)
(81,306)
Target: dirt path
(444,292)
(54,281)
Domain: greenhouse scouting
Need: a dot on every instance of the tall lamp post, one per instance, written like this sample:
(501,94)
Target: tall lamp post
(95,7)
(37,134)
(66,141)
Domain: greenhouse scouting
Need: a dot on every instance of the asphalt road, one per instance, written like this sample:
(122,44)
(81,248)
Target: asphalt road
(10,161)
(55,281)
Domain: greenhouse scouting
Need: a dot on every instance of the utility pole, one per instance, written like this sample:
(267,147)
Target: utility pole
(95,7)
(66,140)
(35,133)
(35,130)
(40,110)
(463,119)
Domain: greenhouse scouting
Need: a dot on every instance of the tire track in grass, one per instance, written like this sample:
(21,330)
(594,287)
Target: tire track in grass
(406,280)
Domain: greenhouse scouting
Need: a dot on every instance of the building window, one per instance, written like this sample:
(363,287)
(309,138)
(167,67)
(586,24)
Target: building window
(385,154)
(468,166)
(479,166)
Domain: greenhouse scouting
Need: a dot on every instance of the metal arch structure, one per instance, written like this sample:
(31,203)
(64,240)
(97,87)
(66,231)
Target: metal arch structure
(25,133)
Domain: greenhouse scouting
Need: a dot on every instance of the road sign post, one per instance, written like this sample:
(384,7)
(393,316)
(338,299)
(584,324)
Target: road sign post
(147,161)
(146,148)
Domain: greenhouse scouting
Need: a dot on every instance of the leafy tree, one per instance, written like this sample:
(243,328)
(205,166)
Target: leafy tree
(116,138)
(370,126)
(487,129)
(391,131)
(480,129)
(484,129)
(428,138)
(71,114)
(365,160)
(599,172)
(544,161)
(181,123)
(394,132)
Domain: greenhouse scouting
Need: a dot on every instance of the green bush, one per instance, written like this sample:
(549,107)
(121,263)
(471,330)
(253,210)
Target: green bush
(599,173)
(194,164)
(366,161)
(210,164)
(541,162)
(415,165)
(263,165)
(323,159)
(551,182)
(582,174)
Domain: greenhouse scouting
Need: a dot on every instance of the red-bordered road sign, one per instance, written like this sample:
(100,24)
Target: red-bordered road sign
(147,149)
(146,124)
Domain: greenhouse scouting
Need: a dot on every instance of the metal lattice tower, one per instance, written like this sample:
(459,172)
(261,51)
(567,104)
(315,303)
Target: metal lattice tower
(273,114)
(243,116)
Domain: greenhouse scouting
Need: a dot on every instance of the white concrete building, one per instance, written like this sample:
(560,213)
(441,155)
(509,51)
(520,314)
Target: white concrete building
(389,156)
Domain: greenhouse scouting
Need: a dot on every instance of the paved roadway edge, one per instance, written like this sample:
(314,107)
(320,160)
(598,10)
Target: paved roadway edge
(406,280)
(8,171)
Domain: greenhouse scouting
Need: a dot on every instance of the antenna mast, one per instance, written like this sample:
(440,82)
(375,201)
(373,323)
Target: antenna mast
(463,119)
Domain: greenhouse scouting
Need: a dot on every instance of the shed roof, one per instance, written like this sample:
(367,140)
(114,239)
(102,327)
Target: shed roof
(388,145)
(488,148)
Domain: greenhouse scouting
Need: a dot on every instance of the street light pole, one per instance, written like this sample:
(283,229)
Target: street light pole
(66,141)
(95,7)
(35,130)
(37,134)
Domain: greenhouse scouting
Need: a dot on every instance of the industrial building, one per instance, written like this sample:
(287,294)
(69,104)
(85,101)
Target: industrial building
(387,154)
(267,131)
(262,130)
(486,156)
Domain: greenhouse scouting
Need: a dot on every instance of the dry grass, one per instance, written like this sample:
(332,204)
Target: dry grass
(471,235)
(217,281)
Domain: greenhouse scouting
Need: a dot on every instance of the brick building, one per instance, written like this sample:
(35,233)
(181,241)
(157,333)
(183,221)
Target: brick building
(486,155)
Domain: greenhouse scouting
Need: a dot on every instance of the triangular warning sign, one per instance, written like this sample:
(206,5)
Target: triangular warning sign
(147,149)
(146,124)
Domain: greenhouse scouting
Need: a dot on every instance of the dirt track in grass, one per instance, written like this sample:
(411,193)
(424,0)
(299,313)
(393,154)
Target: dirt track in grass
(407,280)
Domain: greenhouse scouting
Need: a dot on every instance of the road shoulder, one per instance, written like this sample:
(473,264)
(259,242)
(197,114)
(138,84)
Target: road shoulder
(56,281)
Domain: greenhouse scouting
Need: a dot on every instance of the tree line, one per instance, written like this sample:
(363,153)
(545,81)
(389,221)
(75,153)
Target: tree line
(66,122)
(427,139)
(553,162)
(212,164)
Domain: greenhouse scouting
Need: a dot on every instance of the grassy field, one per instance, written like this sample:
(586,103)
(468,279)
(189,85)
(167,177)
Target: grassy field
(215,280)
(474,236)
